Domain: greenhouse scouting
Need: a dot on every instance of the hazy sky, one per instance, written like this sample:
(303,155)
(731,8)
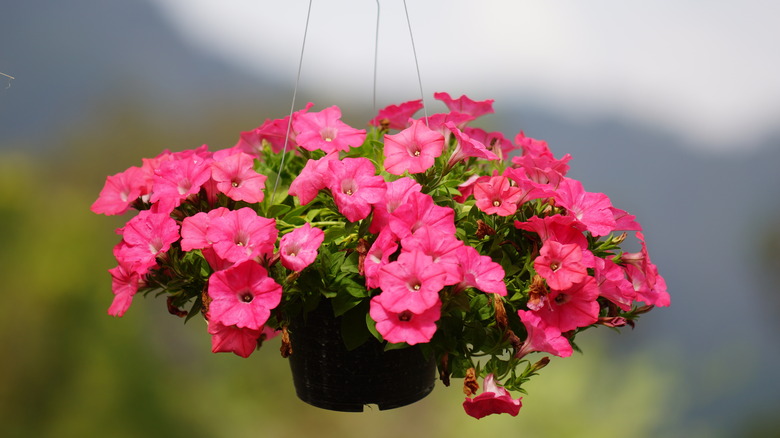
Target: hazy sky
(708,70)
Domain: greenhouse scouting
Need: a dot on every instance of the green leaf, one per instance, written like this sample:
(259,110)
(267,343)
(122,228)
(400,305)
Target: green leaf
(278,210)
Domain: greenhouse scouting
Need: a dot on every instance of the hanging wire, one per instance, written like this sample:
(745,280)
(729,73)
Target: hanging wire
(416,63)
(292,106)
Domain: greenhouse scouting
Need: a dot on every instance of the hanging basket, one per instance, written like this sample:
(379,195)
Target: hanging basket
(329,376)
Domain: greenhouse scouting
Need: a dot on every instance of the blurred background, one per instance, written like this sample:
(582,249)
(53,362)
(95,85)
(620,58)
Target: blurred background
(670,108)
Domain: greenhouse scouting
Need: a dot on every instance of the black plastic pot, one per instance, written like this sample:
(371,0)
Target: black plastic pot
(329,376)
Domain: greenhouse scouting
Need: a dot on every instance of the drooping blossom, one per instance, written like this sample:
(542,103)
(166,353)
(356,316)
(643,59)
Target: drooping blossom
(613,284)
(397,193)
(529,189)
(377,256)
(572,308)
(124,284)
(650,286)
(232,339)
(440,246)
(494,399)
(420,211)
(493,141)
(594,210)
(467,147)
(396,116)
(542,337)
(497,195)
(405,325)
(325,131)
(235,176)
(414,149)
(411,283)
(355,187)
(243,295)
(178,179)
(314,177)
(241,234)
(119,192)
(465,105)
(625,221)
(560,264)
(298,248)
(480,272)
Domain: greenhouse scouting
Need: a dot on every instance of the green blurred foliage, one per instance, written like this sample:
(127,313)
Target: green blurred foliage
(70,370)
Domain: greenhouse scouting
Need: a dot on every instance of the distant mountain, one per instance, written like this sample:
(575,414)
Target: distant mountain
(68,55)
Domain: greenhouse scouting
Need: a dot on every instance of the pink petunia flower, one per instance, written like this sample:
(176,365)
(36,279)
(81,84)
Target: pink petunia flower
(241,234)
(145,237)
(493,141)
(377,256)
(405,325)
(465,105)
(560,264)
(411,283)
(272,131)
(235,176)
(355,187)
(438,122)
(467,147)
(298,248)
(325,131)
(613,284)
(441,247)
(493,400)
(480,272)
(397,193)
(414,149)
(559,228)
(420,211)
(533,147)
(572,308)
(232,339)
(650,287)
(314,177)
(594,210)
(119,192)
(178,179)
(124,284)
(396,116)
(496,195)
(542,337)
(243,295)
(194,229)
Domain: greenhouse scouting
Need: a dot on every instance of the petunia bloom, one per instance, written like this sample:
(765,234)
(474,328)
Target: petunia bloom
(480,272)
(298,248)
(236,177)
(465,105)
(233,339)
(542,337)
(405,325)
(396,116)
(411,283)
(493,400)
(243,295)
(497,196)
(119,192)
(325,131)
(414,149)
(241,234)
(355,187)
(560,264)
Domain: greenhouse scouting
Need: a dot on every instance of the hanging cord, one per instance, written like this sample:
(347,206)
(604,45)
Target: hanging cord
(376,54)
(292,106)
(416,63)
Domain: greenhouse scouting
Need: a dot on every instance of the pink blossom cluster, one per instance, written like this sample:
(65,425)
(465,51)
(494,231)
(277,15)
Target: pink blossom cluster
(448,222)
